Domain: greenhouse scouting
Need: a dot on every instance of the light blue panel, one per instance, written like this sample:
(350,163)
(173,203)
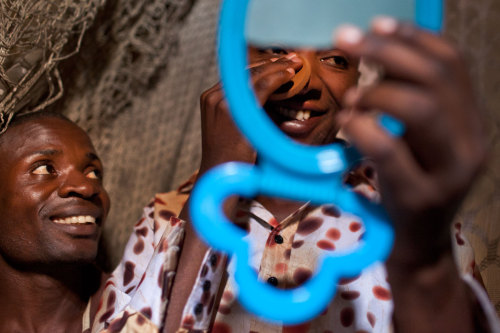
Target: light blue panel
(311,22)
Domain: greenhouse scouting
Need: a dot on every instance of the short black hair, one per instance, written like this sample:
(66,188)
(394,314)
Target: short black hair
(22,118)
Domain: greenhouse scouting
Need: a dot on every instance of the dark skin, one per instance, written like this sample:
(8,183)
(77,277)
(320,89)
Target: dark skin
(50,173)
(443,149)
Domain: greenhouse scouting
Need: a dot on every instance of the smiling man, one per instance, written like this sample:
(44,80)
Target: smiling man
(52,206)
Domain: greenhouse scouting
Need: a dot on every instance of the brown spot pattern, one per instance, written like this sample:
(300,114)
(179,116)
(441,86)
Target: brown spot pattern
(128,274)
(355,226)
(301,275)
(325,245)
(105,316)
(309,225)
(188,322)
(140,320)
(142,232)
(117,324)
(297,244)
(300,328)
(349,295)
(221,328)
(333,233)
(371,319)
(111,299)
(166,214)
(273,222)
(347,317)
(140,221)
(330,210)
(381,293)
(174,221)
(348,280)
(139,246)
(147,312)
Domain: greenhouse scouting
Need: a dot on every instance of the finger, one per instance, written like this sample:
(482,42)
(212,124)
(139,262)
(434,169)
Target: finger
(429,133)
(433,44)
(208,96)
(400,59)
(265,67)
(265,86)
(404,61)
(397,170)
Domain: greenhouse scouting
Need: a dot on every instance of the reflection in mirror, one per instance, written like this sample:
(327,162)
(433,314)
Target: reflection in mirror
(302,89)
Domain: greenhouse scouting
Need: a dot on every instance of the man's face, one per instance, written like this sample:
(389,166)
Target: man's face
(332,73)
(52,202)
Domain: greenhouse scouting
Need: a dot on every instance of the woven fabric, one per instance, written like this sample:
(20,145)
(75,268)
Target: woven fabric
(471,25)
(137,94)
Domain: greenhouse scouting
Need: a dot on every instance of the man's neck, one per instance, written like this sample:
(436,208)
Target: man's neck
(44,299)
(280,208)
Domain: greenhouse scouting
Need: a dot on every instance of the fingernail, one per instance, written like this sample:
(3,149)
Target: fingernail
(291,71)
(293,57)
(384,24)
(349,34)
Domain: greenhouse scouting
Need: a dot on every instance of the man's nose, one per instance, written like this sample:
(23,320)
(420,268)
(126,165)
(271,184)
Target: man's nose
(77,184)
(313,81)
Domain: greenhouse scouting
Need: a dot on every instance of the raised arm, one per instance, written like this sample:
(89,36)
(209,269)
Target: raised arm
(424,175)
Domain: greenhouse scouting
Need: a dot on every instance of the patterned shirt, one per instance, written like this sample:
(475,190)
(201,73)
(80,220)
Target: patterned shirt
(285,253)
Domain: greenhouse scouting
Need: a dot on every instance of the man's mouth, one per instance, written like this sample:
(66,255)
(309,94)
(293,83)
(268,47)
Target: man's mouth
(300,115)
(77,219)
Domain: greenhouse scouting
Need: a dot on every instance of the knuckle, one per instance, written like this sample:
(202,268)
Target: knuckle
(438,71)
(261,85)
(212,99)
(424,109)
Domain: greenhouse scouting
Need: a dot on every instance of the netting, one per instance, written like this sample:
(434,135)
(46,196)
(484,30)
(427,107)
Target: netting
(34,37)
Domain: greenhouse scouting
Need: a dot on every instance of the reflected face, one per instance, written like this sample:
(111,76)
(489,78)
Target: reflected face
(52,201)
(309,116)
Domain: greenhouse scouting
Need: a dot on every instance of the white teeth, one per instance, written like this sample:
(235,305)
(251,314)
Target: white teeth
(300,115)
(76,220)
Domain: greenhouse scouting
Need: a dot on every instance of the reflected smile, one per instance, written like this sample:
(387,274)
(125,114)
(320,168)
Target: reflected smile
(300,115)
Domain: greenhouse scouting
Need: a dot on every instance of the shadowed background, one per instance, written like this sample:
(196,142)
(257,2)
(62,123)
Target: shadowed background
(135,85)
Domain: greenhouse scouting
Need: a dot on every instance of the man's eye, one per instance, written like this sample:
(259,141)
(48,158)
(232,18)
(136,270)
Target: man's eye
(44,169)
(336,61)
(94,174)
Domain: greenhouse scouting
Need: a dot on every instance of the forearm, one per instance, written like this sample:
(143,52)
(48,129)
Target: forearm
(193,251)
(190,261)
(430,298)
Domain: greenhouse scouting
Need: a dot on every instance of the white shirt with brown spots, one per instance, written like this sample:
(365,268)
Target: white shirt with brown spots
(284,253)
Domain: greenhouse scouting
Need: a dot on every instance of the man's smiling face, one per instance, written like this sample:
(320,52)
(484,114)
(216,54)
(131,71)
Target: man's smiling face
(52,201)
(309,116)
